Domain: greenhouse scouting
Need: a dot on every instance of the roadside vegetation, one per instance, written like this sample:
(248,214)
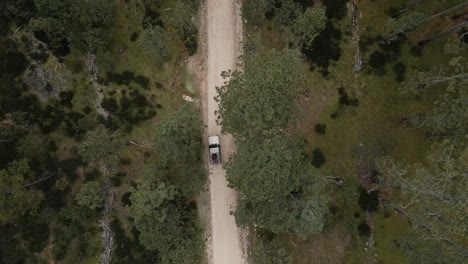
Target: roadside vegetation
(100,157)
(352,141)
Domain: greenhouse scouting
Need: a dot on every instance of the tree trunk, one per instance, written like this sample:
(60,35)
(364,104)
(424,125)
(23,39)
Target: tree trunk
(438,80)
(107,235)
(38,181)
(446,32)
(459,15)
(446,11)
(355,29)
(408,7)
(93,71)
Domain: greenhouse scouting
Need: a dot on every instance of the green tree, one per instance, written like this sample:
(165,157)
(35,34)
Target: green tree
(33,146)
(273,81)
(155,42)
(84,24)
(91,195)
(165,224)
(254,11)
(179,147)
(265,170)
(181,19)
(309,25)
(268,252)
(15,198)
(178,138)
(448,116)
(285,214)
(100,145)
(403,24)
(286,12)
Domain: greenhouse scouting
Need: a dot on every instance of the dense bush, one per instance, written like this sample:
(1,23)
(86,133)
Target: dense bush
(325,48)
(320,128)
(368,201)
(318,158)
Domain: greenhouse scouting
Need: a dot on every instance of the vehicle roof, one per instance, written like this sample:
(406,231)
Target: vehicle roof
(213,140)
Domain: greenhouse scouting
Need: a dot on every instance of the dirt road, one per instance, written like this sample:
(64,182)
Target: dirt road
(223,40)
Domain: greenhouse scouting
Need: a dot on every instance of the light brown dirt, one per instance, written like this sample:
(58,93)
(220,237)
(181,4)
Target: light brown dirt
(223,36)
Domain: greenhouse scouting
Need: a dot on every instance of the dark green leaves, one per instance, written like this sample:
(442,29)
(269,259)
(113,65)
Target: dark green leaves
(263,98)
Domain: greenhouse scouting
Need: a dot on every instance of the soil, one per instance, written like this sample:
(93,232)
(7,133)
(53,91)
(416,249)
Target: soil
(221,43)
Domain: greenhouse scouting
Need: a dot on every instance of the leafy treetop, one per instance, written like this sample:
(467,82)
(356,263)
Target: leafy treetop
(264,97)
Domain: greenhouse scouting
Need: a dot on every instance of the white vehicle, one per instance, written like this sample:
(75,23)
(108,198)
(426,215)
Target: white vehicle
(214,149)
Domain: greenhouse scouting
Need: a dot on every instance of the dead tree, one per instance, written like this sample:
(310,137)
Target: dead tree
(40,180)
(408,7)
(446,11)
(355,29)
(93,71)
(441,34)
(107,235)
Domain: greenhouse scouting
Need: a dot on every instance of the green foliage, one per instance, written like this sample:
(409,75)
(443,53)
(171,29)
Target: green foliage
(265,170)
(179,147)
(33,147)
(273,81)
(91,195)
(73,237)
(309,25)
(448,116)
(155,42)
(15,13)
(100,145)
(433,194)
(182,22)
(403,24)
(285,12)
(419,251)
(285,214)
(268,252)
(254,11)
(16,200)
(320,128)
(84,24)
(165,223)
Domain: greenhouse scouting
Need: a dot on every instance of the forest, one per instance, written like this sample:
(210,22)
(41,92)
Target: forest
(360,132)
(351,143)
(91,116)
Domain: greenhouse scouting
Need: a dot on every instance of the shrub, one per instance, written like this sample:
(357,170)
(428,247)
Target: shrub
(318,158)
(364,229)
(368,201)
(320,128)
(399,69)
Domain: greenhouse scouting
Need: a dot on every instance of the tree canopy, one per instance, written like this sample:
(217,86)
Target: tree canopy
(99,145)
(265,170)
(155,42)
(83,24)
(91,195)
(264,97)
(403,24)
(309,25)
(285,214)
(15,199)
(179,148)
(165,224)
